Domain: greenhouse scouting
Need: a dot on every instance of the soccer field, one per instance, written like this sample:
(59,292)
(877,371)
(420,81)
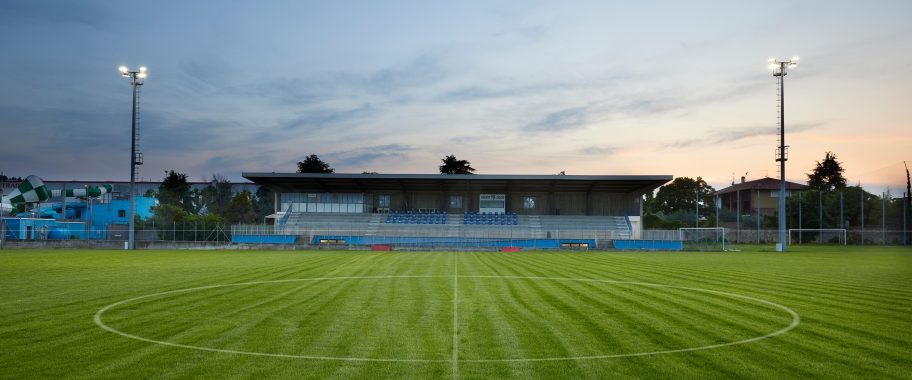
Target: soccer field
(813,312)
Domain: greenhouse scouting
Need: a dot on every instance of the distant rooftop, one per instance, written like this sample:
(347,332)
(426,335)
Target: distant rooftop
(761,184)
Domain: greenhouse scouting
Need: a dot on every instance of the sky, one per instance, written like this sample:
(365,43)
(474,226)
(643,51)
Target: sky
(514,87)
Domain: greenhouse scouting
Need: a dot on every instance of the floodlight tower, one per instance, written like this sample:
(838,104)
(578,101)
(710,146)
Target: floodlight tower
(780,69)
(136,79)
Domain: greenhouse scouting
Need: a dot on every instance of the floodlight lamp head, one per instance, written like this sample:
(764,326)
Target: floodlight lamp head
(142,69)
(123,69)
(141,75)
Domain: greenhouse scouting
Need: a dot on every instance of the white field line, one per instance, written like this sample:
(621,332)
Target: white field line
(796,320)
(455,315)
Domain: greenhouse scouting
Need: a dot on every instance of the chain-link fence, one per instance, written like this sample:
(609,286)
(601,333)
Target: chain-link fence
(435,237)
(817,217)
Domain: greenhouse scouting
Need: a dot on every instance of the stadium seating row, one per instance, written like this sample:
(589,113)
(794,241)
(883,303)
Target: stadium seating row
(490,218)
(416,217)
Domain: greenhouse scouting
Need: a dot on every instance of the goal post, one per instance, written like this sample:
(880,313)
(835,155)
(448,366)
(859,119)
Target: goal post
(817,236)
(704,239)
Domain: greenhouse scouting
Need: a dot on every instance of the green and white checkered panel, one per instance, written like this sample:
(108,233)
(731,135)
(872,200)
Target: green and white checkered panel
(90,191)
(30,191)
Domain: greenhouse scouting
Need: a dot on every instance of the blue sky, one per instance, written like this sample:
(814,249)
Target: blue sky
(595,87)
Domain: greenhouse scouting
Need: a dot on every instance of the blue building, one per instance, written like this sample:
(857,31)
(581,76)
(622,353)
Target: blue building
(91,219)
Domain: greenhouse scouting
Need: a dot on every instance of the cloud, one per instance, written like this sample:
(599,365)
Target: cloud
(27,12)
(730,135)
(170,133)
(390,83)
(562,120)
(597,150)
(359,159)
(482,92)
(311,120)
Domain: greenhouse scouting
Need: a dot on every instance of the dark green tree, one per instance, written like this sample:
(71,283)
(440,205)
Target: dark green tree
(313,164)
(240,209)
(166,215)
(174,190)
(451,165)
(649,203)
(827,175)
(216,195)
(263,205)
(681,196)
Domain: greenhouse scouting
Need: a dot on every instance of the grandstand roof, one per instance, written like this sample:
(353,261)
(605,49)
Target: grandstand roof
(341,182)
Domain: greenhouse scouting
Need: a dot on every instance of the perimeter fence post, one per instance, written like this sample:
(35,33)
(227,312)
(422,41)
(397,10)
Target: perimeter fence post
(841,211)
(862,216)
(758,216)
(904,212)
(883,219)
(800,226)
(738,216)
(820,213)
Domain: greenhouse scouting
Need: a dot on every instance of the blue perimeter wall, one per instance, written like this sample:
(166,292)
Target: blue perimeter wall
(634,245)
(649,245)
(452,242)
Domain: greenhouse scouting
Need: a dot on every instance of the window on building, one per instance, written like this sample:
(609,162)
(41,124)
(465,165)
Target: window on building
(528,202)
(383,201)
(455,201)
(121,213)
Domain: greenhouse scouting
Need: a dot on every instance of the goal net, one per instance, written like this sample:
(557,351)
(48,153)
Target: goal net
(817,236)
(705,239)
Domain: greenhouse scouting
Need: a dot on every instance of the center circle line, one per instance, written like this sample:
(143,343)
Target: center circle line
(796,320)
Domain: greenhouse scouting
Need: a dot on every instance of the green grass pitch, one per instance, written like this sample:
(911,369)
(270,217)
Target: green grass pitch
(815,312)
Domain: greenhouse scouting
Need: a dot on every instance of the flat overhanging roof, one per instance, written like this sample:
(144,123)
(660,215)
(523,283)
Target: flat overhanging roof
(361,183)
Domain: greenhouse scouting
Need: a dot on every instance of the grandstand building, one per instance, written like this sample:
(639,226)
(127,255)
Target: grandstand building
(441,209)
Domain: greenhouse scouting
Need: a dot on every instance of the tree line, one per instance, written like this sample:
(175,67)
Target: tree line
(828,201)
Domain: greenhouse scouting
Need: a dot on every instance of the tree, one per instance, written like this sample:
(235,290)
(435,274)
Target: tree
(313,164)
(649,203)
(216,195)
(165,215)
(681,195)
(240,209)
(827,176)
(263,205)
(453,166)
(4,178)
(175,190)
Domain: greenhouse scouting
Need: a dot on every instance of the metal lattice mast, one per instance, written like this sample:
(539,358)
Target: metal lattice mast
(136,79)
(780,69)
